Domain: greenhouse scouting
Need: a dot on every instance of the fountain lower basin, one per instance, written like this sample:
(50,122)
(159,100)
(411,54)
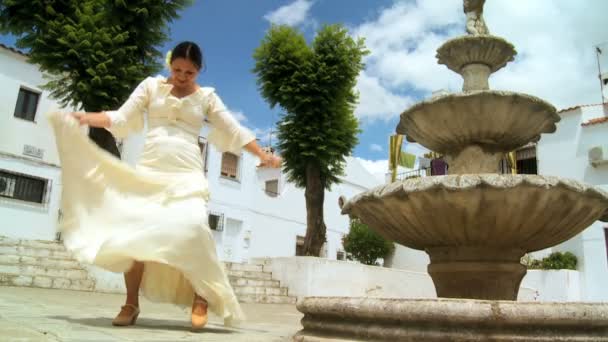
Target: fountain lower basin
(476,228)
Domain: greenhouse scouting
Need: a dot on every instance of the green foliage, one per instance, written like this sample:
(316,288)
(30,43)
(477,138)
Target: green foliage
(555,261)
(315,87)
(96,51)
(364,244)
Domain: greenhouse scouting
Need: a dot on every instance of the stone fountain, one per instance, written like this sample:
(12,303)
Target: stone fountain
(474,223)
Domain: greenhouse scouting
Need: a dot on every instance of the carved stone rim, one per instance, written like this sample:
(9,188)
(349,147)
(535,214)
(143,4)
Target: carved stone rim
(552,119)
(470,44)
(454,96)
(466,182)
(457,311)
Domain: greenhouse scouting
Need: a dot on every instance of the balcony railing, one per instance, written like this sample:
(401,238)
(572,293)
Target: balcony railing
(423,172)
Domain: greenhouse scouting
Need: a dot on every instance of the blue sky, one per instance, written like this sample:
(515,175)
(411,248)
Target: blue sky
(401,69)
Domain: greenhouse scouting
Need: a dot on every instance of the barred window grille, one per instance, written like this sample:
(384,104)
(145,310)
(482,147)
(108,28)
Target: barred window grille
(230,165)
(22,187)
(216,221)
(27,104)
(272,187)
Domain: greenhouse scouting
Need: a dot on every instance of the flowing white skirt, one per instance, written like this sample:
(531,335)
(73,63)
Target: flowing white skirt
(114,214)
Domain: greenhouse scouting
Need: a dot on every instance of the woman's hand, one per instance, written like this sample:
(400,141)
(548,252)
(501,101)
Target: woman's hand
(270,160)
(99,120)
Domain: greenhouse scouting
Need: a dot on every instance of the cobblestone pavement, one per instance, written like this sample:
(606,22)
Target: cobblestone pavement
(31,314)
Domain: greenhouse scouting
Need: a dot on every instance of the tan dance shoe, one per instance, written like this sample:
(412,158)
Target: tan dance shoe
(199,313)
(127,316)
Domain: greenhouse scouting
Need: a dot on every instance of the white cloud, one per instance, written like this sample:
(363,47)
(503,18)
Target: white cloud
(378,168)
(415,149)
(376,148)
(239,115)
(554,39)
(376,101)
(293,14)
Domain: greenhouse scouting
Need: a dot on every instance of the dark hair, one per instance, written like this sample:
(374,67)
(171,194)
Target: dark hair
(189,51)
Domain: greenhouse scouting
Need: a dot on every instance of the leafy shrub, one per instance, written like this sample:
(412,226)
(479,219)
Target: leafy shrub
(365,245)
(555,261)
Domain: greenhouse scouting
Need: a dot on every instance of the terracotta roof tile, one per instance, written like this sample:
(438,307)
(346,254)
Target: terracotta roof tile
(595,121)
(13,50)
(580,106)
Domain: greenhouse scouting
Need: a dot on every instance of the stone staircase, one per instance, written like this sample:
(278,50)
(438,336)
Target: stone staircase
(47,264)
(253,283)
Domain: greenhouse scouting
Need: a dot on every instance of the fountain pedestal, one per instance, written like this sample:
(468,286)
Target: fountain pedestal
(476,272)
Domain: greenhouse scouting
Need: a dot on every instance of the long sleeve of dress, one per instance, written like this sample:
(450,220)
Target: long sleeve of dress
(226,134)
(130,116)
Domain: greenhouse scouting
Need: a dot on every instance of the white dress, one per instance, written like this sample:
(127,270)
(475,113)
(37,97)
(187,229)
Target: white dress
(155,213)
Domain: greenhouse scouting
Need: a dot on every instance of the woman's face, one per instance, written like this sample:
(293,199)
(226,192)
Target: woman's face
(183,73)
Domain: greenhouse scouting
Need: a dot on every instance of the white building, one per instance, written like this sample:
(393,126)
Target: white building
(566,153)
(30,180)
(254,212)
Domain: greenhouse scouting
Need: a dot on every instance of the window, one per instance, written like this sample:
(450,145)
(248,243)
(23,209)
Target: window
(230,165)
(22,187)
(27,104)
(202,145)
(216,221)
(340,255)
(527,166)
(299,245)
(526,162)
(272,187)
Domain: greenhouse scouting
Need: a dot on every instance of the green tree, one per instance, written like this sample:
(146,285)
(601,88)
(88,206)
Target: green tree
(314,85)
(365,245)
(555,261)
(96,51)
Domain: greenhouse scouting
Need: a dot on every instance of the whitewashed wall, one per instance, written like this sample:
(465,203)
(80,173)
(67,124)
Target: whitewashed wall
(309,276)
(23,219)
(564,154)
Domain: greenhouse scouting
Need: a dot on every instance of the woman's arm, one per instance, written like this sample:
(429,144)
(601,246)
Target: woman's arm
(228,135)
(129,117)
(100,120)
(266,159)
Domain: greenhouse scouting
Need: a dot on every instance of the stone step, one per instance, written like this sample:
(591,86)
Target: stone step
(251,275)
(48,264)
(8,259)
(230,266)
(47,282)
(266,299)
(265,263)
(38,244)
(240,281)
(260,290)
(35,252)
(35,271)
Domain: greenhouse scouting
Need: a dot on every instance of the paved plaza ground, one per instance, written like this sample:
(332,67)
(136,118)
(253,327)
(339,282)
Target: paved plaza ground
(31,314)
